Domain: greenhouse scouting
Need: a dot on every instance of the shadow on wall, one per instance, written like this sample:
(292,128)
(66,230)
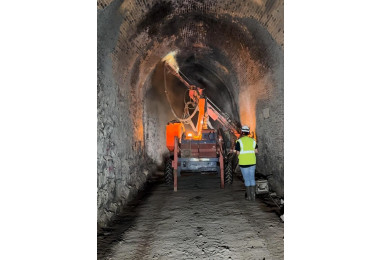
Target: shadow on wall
(157,112)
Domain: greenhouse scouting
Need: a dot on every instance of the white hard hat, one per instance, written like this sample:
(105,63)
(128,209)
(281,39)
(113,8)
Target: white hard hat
(245,129)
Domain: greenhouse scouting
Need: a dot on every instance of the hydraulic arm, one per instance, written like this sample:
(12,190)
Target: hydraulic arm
(207,150)
(206,108)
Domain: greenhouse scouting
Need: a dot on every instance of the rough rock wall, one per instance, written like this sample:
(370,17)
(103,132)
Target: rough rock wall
(261,100)
(234,49)
(122,163)
(270,132)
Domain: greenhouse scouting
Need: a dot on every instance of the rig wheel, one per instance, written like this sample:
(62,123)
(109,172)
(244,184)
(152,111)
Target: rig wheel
(228,172)
(168,174)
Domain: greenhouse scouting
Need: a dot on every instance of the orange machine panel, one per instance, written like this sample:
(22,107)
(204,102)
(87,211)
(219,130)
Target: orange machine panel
(173,130)
(201,106)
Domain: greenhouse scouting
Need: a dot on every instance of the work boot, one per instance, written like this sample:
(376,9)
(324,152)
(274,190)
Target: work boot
(253,192)
(248,192)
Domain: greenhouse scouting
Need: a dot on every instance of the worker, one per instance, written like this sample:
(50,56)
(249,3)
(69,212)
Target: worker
(246,149)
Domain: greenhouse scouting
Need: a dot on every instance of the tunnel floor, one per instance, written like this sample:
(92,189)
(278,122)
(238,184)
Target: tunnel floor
(200,221)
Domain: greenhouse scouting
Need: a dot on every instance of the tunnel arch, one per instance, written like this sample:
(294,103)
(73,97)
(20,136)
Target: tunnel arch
(233,47)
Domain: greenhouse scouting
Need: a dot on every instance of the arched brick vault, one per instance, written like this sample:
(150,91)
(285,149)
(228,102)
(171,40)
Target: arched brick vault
(234,49)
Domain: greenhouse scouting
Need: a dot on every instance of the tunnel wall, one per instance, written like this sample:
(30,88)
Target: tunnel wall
(122,162)
(240,42)
(270,132)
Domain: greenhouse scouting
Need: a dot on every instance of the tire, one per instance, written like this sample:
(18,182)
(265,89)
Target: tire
(168,174)
(228,172)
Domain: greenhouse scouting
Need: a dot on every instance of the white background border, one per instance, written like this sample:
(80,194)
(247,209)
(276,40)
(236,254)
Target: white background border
(48,129)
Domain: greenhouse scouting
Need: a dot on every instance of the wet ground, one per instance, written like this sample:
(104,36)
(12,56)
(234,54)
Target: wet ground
(200,221)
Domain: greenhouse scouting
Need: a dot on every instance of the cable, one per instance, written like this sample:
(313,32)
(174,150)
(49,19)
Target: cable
(185,120)
(274,201)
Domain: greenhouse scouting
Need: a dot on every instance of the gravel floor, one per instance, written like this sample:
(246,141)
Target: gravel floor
(200,221)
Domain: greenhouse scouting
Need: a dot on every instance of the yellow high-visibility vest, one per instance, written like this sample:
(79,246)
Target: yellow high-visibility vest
(247,154)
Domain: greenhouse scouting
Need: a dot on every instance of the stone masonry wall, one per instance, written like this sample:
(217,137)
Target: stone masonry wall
(122,164)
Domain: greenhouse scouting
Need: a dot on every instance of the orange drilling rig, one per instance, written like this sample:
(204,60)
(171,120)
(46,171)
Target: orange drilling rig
(204,149)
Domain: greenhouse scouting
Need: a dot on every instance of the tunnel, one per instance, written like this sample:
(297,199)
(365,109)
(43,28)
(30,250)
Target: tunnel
(234,50)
